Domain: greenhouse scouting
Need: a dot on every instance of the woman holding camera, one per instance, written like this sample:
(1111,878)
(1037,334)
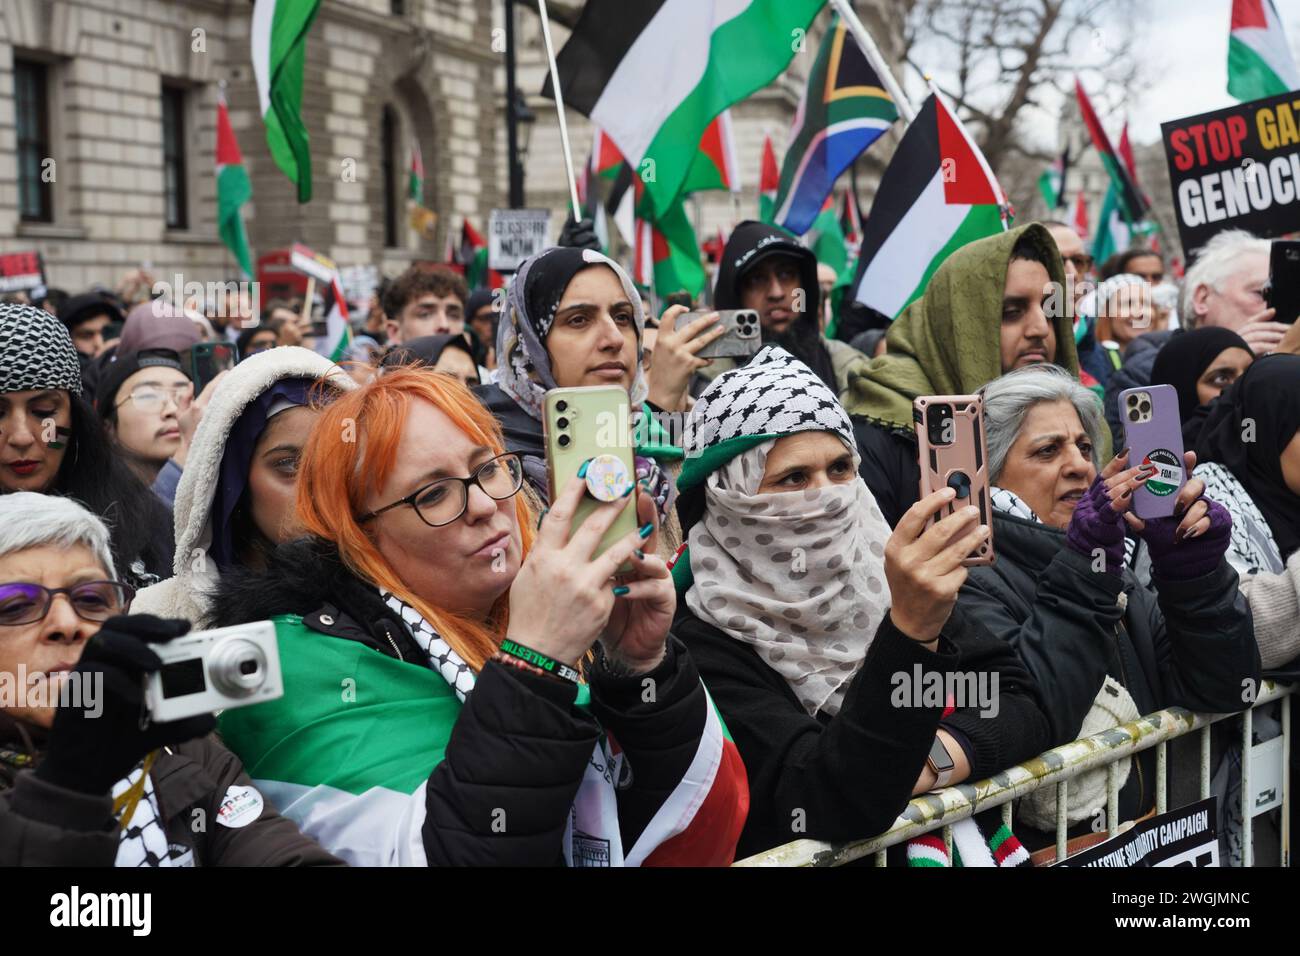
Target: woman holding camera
(464,685)
(1061,593)
(813,625)
(234,503)
(82,783)
(52,442)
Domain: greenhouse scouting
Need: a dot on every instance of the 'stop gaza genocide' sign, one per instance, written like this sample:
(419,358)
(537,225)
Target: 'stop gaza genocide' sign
(1237,168)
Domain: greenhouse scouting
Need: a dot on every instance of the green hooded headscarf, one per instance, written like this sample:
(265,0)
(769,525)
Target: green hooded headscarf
(948,342)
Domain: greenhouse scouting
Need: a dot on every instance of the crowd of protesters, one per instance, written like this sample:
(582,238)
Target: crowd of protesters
(392,513)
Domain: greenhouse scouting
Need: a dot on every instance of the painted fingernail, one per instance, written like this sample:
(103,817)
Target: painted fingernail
(542,517)
(1122,452)
(640,555)
(630,489)
(646,529)
(621,590)
(582,470)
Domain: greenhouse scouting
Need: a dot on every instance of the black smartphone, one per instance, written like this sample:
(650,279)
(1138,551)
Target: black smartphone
(1283,293)
(210,359)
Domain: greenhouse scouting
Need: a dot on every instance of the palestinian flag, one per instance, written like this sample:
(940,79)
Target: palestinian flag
(473,255)
(827,241)
(769,181)
(844,110)
(654,73)
(233,190)
(851,221)
(1052,182)
(1260,62)
(715,166)
(937,194)
(607,165)
(338,331)
(1080,223)
(1129,200)
(349,765)
(415,181)
(1113,232)
(279,47)
(668,254)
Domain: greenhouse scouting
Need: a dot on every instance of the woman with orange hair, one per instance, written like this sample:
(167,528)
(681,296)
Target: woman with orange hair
(459,689)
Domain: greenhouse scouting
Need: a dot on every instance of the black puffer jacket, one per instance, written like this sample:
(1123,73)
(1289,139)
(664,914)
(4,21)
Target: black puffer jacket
(46,825)
(848,776)
(889,466)
(519,745)
(1188,644)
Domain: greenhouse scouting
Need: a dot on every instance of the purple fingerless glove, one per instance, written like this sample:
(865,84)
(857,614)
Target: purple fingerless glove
(1095,524)
(658,484)
(1191,557)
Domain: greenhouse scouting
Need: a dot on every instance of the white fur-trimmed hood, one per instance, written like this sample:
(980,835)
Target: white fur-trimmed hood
(194,570)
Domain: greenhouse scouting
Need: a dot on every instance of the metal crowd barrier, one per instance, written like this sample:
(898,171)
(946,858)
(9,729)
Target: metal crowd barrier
(1057,767)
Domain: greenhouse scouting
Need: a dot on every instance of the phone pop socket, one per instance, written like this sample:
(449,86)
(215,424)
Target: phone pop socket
(608,478)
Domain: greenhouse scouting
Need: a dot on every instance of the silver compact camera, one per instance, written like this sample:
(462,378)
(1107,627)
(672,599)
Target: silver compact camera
(207,671)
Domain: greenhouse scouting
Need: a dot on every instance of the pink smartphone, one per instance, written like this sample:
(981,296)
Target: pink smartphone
(950,442)
(1153,432)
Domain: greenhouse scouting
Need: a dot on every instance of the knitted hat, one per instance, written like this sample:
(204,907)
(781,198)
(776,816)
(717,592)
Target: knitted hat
(36,351)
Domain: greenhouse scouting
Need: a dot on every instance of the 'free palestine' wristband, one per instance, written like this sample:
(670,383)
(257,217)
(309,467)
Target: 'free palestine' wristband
(538,659)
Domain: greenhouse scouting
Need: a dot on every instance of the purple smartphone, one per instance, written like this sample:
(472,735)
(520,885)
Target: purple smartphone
(1153,433)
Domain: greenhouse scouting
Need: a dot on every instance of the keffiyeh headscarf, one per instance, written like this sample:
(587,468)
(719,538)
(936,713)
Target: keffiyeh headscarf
(531,303)
(797,575)
(36,351)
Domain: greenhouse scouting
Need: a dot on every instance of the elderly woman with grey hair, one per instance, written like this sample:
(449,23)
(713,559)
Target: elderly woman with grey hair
(84,781)
(1102,648)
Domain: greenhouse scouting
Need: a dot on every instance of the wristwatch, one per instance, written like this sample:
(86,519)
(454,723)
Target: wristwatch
(941,763)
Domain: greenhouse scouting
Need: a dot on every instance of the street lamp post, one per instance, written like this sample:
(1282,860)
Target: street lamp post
(516,168)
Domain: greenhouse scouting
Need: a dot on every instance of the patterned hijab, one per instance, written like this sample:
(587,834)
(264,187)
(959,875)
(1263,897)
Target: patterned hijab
(534,296)
(797,575)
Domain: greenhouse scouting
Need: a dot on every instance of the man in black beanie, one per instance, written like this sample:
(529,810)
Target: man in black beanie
(86,317)
(764,268)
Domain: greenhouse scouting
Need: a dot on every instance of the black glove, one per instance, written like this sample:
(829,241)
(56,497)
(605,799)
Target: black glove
(89,754)
(580,234)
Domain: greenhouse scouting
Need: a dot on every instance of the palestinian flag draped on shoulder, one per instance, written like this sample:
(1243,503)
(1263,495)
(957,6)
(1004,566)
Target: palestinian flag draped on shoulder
(937,195)
(654,73)
(349,764)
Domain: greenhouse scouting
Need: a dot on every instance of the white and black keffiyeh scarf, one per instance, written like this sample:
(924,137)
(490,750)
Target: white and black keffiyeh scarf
(144,840)
(774,394)
(593,820)
(797,575)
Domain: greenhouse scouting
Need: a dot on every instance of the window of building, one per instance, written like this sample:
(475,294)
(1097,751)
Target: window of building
(388,146)
(31,100)
(173,128)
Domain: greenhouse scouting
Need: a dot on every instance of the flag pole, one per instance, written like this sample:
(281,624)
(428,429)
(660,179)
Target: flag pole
(874,57)
(559,109)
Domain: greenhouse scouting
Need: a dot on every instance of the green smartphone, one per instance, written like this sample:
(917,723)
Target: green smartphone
(210,359)
(592,423)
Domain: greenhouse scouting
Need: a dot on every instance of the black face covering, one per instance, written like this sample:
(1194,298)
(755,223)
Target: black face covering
(1181,363)
(1268,395)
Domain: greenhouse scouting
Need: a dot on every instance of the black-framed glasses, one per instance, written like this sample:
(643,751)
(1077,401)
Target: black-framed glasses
(24,603)
(443,501)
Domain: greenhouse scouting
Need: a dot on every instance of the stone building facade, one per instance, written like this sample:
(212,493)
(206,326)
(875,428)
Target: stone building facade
(118,99)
